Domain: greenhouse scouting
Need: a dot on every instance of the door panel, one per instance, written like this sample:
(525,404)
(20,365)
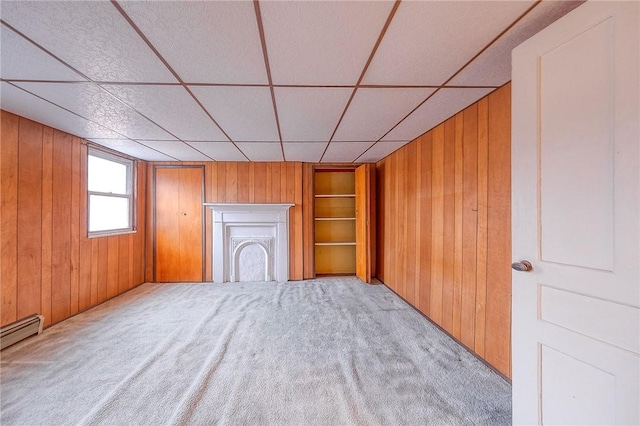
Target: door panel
(365,221)
(166,226)
(580,384)
(568,124)
(575,159)
(178,225)
(191,225)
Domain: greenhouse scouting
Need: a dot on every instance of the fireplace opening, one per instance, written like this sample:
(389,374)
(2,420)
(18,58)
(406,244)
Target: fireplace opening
(251,260)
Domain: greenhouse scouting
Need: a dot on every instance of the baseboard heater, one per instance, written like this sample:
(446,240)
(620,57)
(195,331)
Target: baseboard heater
(20,330)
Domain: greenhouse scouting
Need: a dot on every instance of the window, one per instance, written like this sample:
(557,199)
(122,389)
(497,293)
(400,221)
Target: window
(110,181)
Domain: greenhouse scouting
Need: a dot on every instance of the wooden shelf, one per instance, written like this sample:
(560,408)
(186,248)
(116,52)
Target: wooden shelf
(334,222)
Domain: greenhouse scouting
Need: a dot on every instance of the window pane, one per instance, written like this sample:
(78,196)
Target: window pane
(107,176)
(106,213)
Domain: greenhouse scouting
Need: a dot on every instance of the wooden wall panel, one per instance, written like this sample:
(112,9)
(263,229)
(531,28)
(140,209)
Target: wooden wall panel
(482,230)
(437,224)
(103,269)
(381,236)
(74,285)
(49,265)
(61,244)
(9,210)
(448,247)
(47,221)
(426,225)
(457,269)
(236,182)
(85,246)
(29,217)
(458,240)
(469,224)
(401,236)
(498,302)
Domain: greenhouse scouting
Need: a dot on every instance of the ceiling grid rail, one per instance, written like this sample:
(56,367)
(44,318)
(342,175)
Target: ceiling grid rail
(347,82)
(364,71)
(444,85)
(263,41)
(87,80)
(177,77)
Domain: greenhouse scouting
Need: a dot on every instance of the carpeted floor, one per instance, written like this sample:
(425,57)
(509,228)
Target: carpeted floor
(321,352)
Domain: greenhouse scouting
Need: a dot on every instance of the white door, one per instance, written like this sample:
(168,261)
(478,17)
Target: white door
(576,191)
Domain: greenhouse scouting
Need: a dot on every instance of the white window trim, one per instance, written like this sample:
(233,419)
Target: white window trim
(131,196)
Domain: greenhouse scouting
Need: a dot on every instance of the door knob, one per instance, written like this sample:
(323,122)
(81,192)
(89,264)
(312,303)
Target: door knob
(522,266)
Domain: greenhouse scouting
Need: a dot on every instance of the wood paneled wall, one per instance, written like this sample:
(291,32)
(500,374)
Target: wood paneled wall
(49,266)
(241,182)
(444,226)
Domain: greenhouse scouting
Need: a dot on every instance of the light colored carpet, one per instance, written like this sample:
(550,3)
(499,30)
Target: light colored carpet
(321,352)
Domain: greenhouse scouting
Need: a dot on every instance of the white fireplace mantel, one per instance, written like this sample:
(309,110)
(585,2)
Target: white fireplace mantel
(263,227)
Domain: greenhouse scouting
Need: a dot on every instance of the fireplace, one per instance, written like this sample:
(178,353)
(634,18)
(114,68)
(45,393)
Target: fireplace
(250,242)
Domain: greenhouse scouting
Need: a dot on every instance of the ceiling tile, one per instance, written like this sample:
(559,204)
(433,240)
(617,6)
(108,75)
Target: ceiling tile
(22,60)
(219,151)
(309,114)
(172,108)
(90,101)
(261,151)
(91,36)
(177,149)
(345,152)
(428,41)
(20,102)
(444,104)
(222,44)
(133,149)
(245,113)
(380,150)
(374,111)
(493,66)
(321,42)
(309,152)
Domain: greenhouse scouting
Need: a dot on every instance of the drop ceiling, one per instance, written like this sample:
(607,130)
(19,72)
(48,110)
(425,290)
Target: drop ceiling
(334,81)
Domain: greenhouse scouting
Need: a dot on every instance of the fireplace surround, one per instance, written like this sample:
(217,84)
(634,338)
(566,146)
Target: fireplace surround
(250,242)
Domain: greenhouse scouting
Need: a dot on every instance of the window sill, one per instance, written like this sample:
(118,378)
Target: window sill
(99,234)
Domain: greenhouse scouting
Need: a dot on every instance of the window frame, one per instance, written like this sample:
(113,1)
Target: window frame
(131,195)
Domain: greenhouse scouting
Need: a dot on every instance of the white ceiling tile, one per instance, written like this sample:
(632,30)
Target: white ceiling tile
(345,152)
(309,114)
(22,60)
(493,66)
(428,41)
(25,104)
(380,150)
(374,111)
(133,149)
(91,36)
(172,108)
(321,42)
(309,152)
(444,104)
(204,41)
(245,113)
(177,149)
(261,151)
(90,101)
(219,151)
